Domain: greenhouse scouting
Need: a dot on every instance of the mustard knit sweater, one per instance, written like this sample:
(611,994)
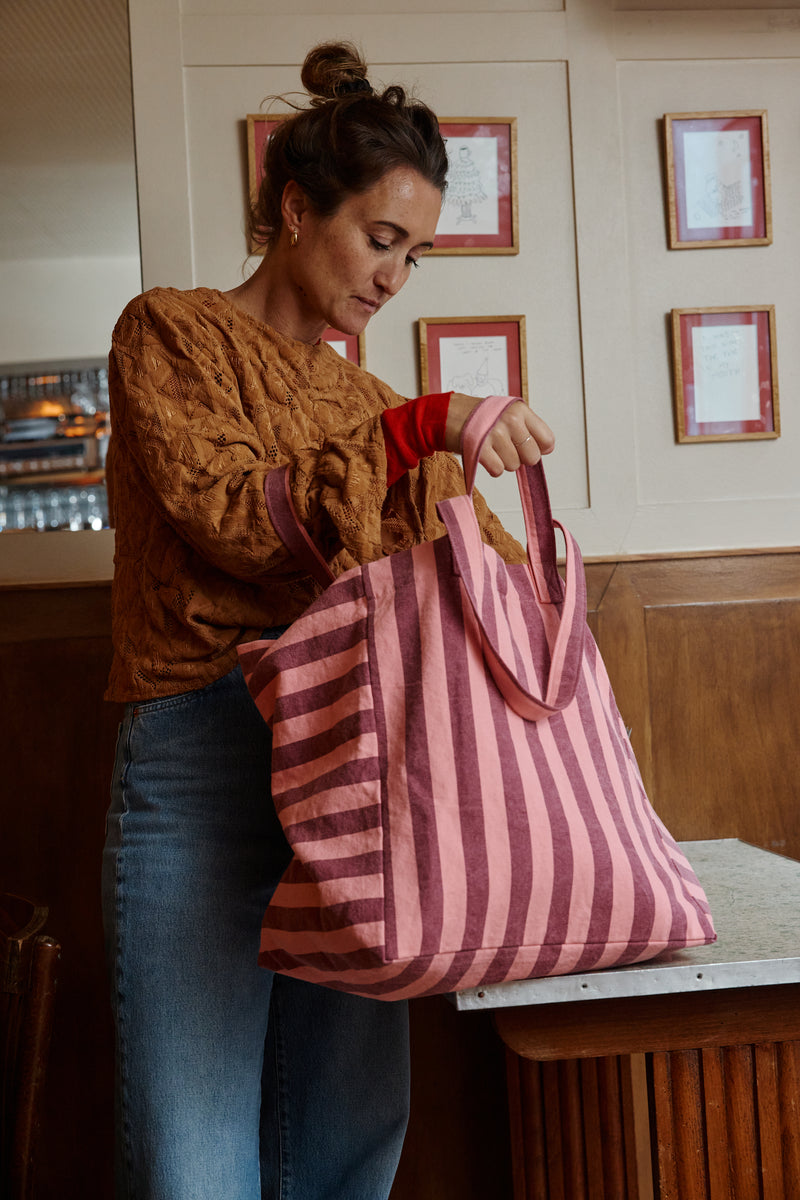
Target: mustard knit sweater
(205,401)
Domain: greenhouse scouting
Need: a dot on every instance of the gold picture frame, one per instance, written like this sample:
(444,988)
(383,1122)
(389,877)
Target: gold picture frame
(725,364)
(480,212)
(480,356)
(719,191)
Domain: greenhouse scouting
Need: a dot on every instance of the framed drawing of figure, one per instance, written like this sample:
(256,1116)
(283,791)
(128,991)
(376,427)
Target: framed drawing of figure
(481,356)
(718,179)
(479,213)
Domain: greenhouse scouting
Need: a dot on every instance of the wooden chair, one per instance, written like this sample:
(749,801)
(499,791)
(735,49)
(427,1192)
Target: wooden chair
(28,967)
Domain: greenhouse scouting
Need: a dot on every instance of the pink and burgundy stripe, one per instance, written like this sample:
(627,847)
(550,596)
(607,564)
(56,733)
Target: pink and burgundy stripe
(455,780)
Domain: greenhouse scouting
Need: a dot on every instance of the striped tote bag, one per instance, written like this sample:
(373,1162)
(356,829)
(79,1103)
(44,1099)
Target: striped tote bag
(452,773)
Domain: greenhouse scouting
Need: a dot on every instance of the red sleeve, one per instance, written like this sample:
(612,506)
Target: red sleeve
(412,431)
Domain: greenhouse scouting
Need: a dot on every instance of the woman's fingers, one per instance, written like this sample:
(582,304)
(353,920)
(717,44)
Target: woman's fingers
(518,437)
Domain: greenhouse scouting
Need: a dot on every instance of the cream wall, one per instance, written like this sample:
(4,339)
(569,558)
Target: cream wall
(63,308)
(589,82)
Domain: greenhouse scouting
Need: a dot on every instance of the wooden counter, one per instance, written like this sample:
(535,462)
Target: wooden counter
(719,1029)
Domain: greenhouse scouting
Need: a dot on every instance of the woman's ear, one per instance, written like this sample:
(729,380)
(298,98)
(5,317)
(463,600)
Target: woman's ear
(294,203)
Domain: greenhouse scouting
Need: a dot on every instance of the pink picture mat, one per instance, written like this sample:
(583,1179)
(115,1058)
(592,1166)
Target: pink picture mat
(765,424)
(711,232)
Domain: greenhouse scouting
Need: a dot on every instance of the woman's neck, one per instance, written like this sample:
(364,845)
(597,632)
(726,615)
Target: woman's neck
(269,296)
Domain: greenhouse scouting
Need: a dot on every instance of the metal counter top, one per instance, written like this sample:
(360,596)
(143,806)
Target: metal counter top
(755,904)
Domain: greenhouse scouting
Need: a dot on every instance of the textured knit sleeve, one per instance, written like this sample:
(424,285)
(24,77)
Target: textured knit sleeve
(198,452)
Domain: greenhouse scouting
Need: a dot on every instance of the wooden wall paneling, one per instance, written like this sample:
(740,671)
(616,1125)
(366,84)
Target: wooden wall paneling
(665,1167)
(704,658)
(57,738)
(716,1121)
(620,1136)
(457,1145)
(573,1130)
(622,640)
(718,1116)
(688,1145)
(723,689)
(526,1114)
(598,577)
(723,1096)
(789,1096)
(768,1117)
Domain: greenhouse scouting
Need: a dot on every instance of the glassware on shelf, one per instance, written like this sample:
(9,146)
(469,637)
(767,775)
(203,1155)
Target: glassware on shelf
(43,508)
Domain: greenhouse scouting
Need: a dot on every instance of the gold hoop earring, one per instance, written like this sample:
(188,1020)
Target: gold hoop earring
(293,238)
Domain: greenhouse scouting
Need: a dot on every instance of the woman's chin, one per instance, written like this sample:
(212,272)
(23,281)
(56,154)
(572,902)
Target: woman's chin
(351,325)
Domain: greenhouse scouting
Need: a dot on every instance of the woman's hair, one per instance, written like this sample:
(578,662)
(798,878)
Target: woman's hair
(345,141)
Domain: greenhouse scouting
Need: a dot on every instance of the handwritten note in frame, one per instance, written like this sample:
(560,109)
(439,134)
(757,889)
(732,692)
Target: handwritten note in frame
(718,179)
(726,374)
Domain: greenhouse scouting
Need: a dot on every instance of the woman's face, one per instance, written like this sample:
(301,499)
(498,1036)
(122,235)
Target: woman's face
(346,266)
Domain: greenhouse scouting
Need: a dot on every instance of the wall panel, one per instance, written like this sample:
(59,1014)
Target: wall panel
(704,657)
(57,739)
(726,493)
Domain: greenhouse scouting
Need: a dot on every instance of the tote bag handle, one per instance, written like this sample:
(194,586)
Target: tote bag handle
(458,516)
(280,507)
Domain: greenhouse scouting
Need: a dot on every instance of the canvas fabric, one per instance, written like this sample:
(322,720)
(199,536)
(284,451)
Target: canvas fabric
(452,773)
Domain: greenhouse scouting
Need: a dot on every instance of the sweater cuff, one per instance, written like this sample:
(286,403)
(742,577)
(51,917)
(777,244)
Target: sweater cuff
(413,431)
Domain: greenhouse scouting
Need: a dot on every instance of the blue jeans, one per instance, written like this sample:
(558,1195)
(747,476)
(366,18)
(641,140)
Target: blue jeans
(233,1083)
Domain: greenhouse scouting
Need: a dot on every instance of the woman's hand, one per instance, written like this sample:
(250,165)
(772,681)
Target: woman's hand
(517,437)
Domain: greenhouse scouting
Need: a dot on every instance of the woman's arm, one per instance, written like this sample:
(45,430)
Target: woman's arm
(185,451)
(434,422)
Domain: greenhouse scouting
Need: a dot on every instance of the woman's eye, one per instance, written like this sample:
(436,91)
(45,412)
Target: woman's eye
(385,247)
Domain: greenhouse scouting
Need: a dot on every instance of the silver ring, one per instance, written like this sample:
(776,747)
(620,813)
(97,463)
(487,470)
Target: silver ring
(524,440)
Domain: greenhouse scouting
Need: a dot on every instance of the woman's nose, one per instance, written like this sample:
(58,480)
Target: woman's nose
(390,277)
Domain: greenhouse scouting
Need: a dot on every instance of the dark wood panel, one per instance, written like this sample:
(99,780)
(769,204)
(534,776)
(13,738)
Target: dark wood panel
(717,1135)
(704,658)
(57,739)
(573,1130)
(598,577)
(457,1146)
(51,614)
(723,697)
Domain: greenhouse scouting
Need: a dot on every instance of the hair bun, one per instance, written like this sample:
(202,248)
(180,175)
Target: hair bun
(353,86)
(334,69)
(343,141)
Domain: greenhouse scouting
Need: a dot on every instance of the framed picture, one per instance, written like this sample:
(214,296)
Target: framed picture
(259,128)
(718,179)
(350,345)
(481,356)
(726,374)
(479,214)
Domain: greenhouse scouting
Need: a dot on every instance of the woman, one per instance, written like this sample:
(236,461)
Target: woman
(234,1083)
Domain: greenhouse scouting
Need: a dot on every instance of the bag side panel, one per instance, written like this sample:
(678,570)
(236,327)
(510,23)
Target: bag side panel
(326,783)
